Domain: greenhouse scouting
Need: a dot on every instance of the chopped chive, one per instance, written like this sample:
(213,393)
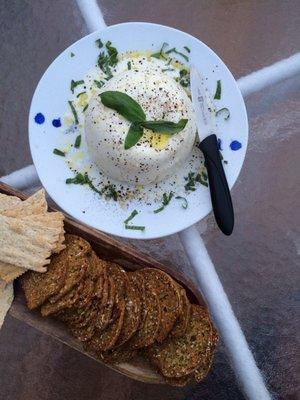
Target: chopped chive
(184,83)
(79,94)
(225,162)
(74,112)
(77,142)
(160,54)
(184,203)
(187,49)
(81,179)
(159,210)
(131,216)
(223,111)
(74,84)
(204,175)
(135,227)
(166,200)
(72,54)
(192,179)
(107,59)
(173,50)
(110,192)
(59,152)
(99,84)
(217,95)
(99,43)
(169,62)
(199,178)
(129,65)
(167,69)
(85,108)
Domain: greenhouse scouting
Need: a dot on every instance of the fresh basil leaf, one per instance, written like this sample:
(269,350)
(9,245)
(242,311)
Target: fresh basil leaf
(124,105)
(165,126)
(133,136)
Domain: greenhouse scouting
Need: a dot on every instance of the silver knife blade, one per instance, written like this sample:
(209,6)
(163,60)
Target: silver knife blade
(203,105)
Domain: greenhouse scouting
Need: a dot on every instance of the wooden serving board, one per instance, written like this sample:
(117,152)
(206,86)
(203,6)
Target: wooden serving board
(111,249)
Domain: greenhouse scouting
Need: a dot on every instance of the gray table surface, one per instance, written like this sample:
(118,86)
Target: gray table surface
(258,264)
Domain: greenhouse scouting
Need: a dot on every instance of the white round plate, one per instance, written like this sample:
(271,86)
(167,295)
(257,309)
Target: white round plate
(50,99)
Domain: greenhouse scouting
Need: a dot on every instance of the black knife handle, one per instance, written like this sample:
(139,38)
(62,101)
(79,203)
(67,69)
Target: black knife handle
(219,190)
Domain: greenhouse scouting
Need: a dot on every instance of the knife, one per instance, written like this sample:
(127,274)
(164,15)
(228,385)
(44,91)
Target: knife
(207,129)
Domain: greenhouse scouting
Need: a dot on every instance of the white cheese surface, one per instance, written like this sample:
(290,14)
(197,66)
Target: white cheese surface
(156,156)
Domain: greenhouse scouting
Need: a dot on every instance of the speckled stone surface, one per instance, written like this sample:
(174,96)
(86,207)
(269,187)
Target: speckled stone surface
(258,264)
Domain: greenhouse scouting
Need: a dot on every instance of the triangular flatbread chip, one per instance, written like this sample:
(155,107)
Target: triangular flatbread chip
(8,202)
(28,242)
(6,299)
(35,204)
(9,272)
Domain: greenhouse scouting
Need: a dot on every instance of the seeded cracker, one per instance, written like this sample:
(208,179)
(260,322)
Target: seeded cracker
(179,382)
(132,311)
(67,301)
(100,311)
(118,355)
(117,278)
(177,357)
(106,305)
(77,251)
(207,359)
(75,283)
(105,340)
(76,316)
(169,298)
(150,314)
(38,288)
(182,321)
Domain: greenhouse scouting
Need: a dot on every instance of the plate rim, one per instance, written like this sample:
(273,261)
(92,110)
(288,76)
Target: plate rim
(131,234)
